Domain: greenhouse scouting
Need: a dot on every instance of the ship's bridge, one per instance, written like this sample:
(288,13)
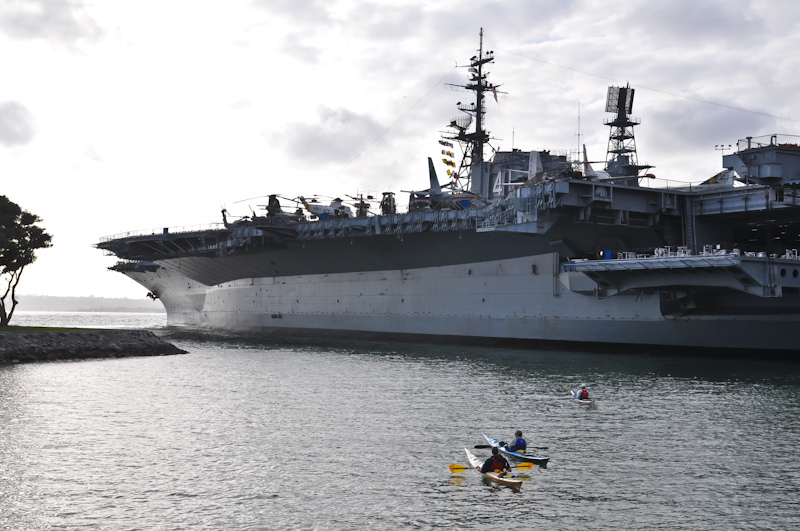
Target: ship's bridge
(772,160)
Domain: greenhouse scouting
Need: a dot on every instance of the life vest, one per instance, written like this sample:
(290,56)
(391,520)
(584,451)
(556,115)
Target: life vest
(584,394)
(497,464)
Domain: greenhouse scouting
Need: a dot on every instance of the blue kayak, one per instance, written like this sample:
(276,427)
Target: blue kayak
(519,455)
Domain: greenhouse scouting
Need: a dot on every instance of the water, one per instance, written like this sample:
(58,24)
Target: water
(242,434)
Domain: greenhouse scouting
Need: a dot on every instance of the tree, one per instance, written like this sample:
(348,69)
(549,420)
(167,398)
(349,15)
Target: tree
(19,239)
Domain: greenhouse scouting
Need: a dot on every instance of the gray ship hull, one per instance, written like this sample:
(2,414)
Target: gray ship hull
(527,298)
(532,246)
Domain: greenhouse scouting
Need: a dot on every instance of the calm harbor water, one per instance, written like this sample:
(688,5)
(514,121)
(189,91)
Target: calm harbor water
(242,434)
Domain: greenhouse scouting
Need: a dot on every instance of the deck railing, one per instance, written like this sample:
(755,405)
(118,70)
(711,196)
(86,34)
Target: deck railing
(164,230)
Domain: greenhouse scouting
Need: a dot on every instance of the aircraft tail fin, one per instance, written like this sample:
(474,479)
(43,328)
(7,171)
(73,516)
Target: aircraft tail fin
(436,190)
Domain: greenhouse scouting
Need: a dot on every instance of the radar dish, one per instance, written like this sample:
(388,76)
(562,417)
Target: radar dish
(620,98)
(461,122)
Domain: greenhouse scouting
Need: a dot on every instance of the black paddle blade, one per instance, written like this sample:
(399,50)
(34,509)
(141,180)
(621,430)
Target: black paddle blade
(483,446)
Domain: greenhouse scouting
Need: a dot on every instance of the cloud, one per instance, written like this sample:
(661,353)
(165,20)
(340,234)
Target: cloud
(303,12)
(294,46)
(376,23)
(339,136)
(62,21)
(241,105)
(697,24)
(17,124)
(91,153)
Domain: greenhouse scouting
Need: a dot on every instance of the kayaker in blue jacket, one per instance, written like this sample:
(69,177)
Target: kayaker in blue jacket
(518,444)
(496,463)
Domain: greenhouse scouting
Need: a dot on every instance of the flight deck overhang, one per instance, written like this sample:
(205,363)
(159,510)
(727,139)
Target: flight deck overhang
(759,276)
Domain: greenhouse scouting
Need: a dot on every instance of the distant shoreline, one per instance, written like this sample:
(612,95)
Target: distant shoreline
(46,303)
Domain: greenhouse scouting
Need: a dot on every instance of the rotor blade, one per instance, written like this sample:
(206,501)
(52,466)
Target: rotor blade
(250,199)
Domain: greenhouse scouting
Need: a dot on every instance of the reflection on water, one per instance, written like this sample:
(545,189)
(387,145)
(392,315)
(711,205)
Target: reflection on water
(242,434)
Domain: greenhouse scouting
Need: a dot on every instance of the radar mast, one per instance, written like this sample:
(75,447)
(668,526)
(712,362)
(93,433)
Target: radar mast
(473,142)
(621,158)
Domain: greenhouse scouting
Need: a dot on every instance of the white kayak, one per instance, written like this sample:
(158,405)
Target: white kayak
(499,477)
(584,401)
(526,455)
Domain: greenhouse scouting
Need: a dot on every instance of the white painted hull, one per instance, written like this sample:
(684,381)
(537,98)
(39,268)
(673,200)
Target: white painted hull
(514,299)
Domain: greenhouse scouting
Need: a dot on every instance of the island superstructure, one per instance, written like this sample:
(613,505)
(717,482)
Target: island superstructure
(534,245)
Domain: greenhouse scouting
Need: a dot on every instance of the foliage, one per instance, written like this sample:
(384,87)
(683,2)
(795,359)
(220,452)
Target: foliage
(19,240)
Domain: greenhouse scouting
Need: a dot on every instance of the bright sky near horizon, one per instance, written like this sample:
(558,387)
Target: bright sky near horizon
(119,116)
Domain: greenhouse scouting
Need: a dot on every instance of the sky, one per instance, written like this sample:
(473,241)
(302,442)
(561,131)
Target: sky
(118,116)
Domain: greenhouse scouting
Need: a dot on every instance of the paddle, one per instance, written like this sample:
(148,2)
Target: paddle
(455,469)
(479,446)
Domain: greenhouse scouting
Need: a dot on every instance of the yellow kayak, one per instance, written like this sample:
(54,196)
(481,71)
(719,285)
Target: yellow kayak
(499,477)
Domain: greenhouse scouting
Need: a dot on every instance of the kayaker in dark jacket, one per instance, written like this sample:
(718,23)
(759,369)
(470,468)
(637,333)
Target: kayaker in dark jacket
(518,444)
(496,463)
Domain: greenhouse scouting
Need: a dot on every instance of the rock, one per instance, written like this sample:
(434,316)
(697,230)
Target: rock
(23,347)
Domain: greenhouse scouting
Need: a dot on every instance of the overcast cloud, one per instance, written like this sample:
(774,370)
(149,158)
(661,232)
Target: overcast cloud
(16,124)
(336,136)
(57,21)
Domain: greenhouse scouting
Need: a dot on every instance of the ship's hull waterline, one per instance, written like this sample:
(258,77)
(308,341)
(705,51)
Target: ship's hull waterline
(509,300)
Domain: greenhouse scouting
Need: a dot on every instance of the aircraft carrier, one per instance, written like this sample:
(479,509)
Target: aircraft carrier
(525,246)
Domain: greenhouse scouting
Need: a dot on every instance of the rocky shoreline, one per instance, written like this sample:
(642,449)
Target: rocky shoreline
(28,347)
